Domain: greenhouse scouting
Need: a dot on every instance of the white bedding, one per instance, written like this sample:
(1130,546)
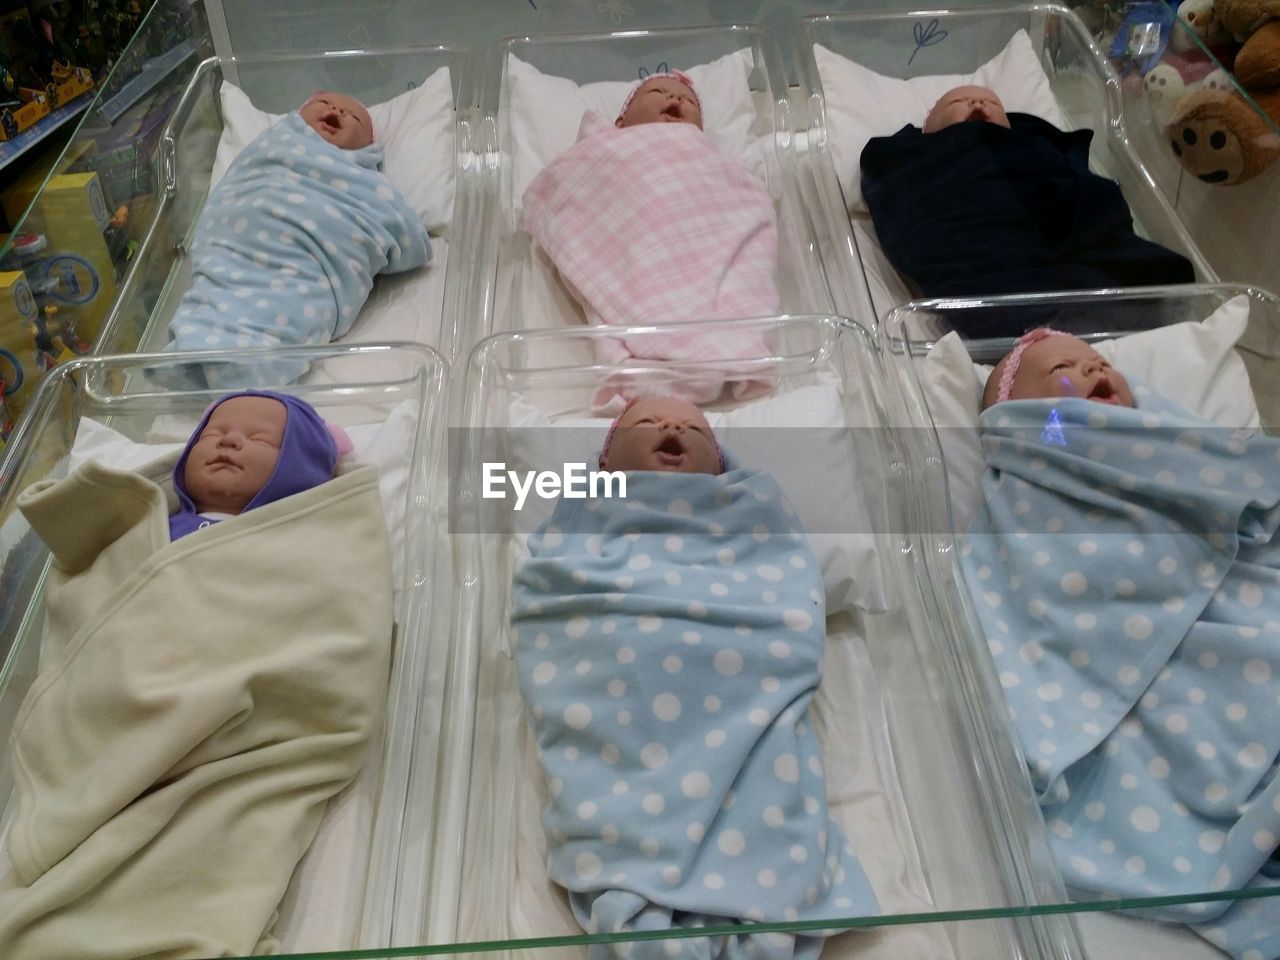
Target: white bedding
(323,907)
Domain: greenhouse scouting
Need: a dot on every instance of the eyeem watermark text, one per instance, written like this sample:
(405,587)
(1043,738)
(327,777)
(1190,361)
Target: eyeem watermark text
(574,483)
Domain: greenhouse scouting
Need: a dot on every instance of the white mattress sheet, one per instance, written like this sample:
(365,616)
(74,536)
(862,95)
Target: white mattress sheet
(862,790)
(1114,936)
(405,306)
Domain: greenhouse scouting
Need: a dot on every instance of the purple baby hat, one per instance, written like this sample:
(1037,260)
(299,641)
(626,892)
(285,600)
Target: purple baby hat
(309,453)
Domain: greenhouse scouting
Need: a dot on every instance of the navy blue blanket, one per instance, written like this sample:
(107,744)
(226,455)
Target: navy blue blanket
(980,209)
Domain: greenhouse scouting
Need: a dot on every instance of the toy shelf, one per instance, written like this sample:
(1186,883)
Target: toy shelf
(116,102)
(11,150)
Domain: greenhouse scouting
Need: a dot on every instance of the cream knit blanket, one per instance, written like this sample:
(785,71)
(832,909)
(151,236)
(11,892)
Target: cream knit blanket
(198,703)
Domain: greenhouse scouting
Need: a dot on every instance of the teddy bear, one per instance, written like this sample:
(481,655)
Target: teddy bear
(1218,136)
(1200,17)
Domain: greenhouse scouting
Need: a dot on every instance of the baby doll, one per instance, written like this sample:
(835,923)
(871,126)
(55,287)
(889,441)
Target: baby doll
(670,808)
(1050,363)
(662,98)
(250,449)
(661,433)
(289,242)
(343,121)
(200,698)
(647,222)
(1125,568)
(978,201)
(965,104)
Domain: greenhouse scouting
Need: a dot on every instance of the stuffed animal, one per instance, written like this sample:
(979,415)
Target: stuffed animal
(1243,18)
(1177,75)
(1199,15)
(1218,136)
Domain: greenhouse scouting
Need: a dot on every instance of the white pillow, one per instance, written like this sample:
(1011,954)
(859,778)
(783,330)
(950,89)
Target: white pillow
(850,563)
(386,445)
(861,104)
(416,130)
(545,111)
(1194,363)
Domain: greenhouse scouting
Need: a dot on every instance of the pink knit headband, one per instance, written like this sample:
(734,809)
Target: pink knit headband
(673,74)
(1015,358)
(613,428)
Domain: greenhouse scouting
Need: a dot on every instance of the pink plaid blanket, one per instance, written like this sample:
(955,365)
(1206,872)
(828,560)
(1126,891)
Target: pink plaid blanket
(654,225)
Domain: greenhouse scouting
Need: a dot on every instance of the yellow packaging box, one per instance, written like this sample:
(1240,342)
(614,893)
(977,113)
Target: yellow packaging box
(17,314)
(73,82)
(72,213)
(35,106)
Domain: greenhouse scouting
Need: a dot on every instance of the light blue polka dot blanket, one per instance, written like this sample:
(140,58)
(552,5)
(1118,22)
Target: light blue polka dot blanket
(288,244)
(1126,573)
(668,647)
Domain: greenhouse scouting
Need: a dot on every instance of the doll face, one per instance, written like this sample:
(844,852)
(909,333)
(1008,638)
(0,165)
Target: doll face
(1068,367)
(660,433)
(236,454)
(963,104)
(662,100)
(340,119)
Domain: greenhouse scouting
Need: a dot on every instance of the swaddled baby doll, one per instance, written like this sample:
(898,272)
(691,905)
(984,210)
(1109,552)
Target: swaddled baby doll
(648,222)
(201,695)
(1126,572)
(288,244)
(976,201)
(668,648)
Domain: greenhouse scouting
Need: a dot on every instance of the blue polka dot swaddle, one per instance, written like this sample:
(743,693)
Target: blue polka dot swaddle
(1126,575)
(287,247)
(668,648)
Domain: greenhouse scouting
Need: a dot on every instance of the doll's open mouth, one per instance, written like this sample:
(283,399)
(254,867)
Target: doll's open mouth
(670,450)
(673,111)
(1104,392)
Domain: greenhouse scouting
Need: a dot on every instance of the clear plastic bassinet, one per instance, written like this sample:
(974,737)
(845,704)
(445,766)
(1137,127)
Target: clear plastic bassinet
(958,833)
(1219,344)
(904,44)
(159,272)
(529,82)
(388,398)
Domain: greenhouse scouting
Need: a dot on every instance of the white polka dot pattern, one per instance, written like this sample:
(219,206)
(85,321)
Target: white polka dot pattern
(245,250)
(696,674)
(1144,684)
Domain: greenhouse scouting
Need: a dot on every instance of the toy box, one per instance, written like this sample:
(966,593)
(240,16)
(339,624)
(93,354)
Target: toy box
(35,106)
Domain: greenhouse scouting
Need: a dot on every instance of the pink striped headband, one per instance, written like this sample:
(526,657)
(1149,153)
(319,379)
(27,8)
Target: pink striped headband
(613,428)
(673,74)
(1015,358)
(373,137)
